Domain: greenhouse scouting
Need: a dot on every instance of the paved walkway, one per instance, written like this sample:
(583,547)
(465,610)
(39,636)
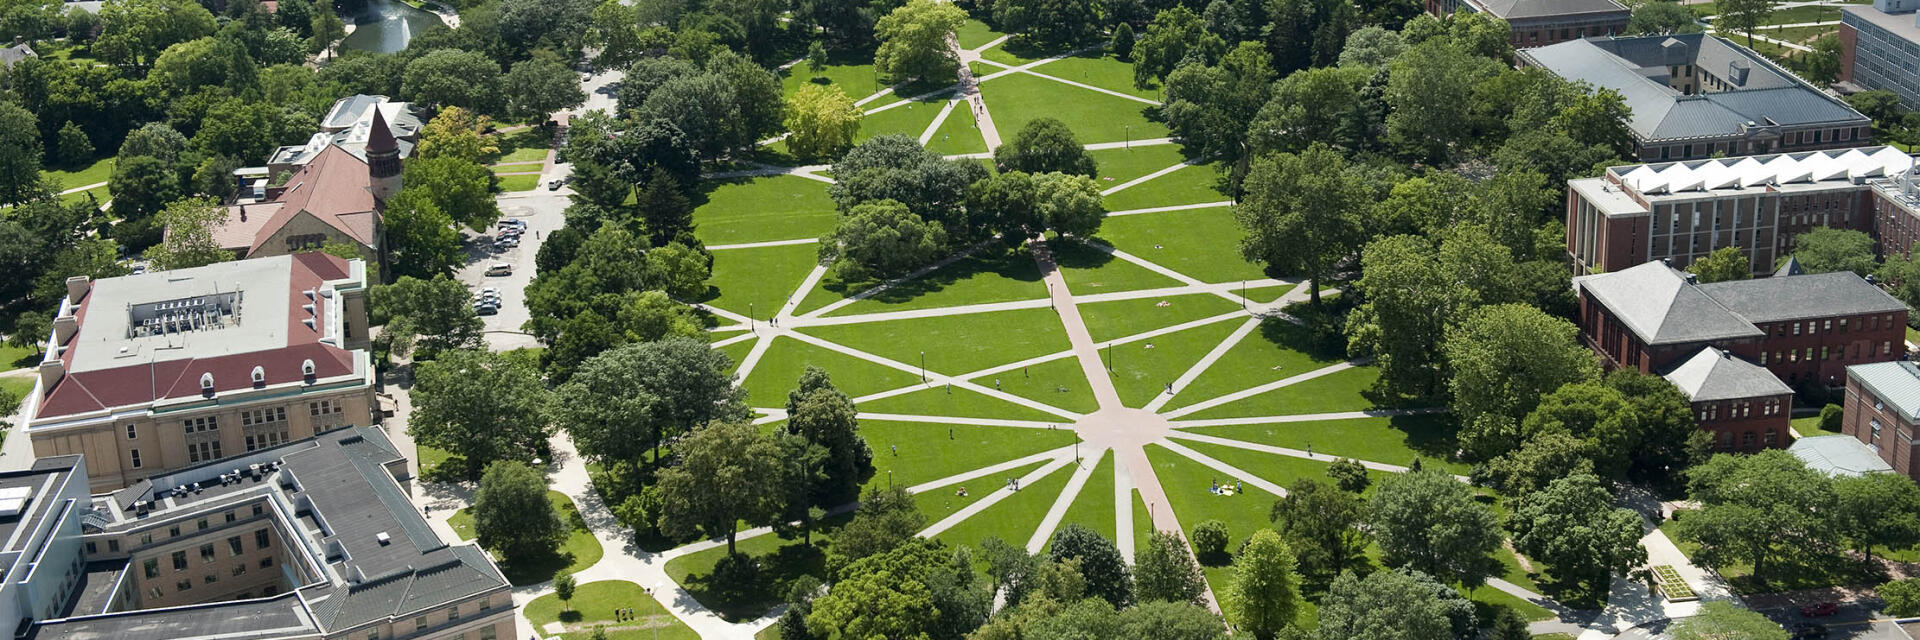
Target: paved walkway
(970,90)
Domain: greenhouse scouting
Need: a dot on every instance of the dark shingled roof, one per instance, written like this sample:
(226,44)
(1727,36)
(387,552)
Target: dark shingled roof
(1712,374)
(1513,9)
(1661,307)
(1813,295)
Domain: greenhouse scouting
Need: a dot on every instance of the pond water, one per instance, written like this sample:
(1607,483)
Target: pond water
(387,25)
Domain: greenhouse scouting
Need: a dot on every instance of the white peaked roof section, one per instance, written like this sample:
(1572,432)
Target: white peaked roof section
(1753,171)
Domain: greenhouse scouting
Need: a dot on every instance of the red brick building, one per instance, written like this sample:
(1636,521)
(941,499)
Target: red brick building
(1543,22)
(1712,340)
(1882,408)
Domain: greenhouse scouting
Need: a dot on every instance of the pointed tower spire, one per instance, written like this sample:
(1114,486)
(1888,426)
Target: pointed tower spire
(383,158)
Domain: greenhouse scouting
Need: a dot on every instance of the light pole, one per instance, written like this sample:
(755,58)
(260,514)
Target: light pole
(923,379)
(751,325)
(1109,357)
(1129,129)
(1243,295)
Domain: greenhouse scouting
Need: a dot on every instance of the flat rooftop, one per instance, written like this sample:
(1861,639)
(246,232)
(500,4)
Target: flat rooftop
(1900,25)
(107,339)
(1781,171)
(277,617)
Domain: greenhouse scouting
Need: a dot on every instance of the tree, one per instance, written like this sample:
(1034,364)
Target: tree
(1828,249)
(822,415)
(1542,458)
(1208,107)
(512,515)
(1174,35)
(1662,16)
(1720,620)
(452,78)
(1349,475)
(426,316)
(1743,15)
(757,92)
(1263,592)
(1725,263)
(421,239)
(1164,570)
(885,519)
(1321,104)
(1069,204)
(1210,540)
(326,28)
(1177,620)
(563,588)
(816,57)
(1572,526)
(190,241)
(1101,564)
(1429,521)
(1758,508)
(895,167)
(142,186)
(1044,145)
(1426,88)
(1386,604)
(460,188)
(72,146)
(457,133)
(663,211)
(19,154)
(30,330)
(1504,359)
(133,33)
(1122,46)
(881,239)
(913,41)
(1323,527)
(704,107)
(1048,23)
(823,120)
(481,406)
(1876,510)
(1371,46)
(1509,625)
(1902,596)
(1668,439)
(1302,213)
(884,596)
(721,479)
(681,271)
(1900,276)
(622,404)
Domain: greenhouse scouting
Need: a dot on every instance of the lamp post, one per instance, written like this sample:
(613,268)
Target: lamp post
(751,325)
(923,377)
(1129,129)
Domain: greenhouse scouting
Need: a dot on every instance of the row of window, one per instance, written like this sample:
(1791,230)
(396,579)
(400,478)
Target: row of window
(1770,437)
(261,540)
(1741,409)
(1850,353)
(453,615)
(202,525)
(186,584)
(1826,326)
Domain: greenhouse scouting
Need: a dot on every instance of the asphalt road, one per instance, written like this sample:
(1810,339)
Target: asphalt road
(541,210)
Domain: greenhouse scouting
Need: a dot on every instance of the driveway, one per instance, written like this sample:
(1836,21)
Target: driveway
(542,212)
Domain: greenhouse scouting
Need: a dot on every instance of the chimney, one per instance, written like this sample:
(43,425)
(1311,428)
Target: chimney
(51,372)
(77,287)
(63,329)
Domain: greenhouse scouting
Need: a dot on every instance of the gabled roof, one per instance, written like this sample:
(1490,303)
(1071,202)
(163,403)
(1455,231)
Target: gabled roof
(334,188)
(1712,374)
(1660,306)
(1789,268)
(1812,295)
(1513,9)
(1896,384)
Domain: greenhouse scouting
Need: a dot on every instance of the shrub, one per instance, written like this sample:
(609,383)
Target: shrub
(1210,541)
(1830,417)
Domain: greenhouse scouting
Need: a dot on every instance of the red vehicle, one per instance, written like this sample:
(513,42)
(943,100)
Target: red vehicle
(1820,610)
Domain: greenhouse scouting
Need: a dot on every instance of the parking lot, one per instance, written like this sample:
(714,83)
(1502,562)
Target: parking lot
(542,212)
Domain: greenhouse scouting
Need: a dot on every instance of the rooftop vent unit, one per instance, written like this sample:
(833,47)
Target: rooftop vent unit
(383,538)
(13,500)
(259,375)
(206,382)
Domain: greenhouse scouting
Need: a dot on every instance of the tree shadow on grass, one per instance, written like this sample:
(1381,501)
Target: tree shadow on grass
(524,571)
(1572,593)
(1005,262)
(1307,339)
(751,600)
(1430,435)
(1077,254)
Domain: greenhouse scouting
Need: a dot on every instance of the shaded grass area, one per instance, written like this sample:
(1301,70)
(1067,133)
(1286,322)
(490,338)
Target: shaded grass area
(1093,507)
(1390,440)
(1117,319)
(974,34)
(1017,99)
(579,551)
(1099,69)
(1186,185)
(1140,374)
(959,134)
(991,275)
(1059,382)
(780,561)
(780,368)
(1334,392)
(852,71)
(75,178)
(1088,270)
(763,209)
(959,403)
(592,606)
(12,357)
(926,453)
(1792,573)
(1201,243)
(955,344)
(1810,426)
(1014,519)
(755,282)
(1277,350)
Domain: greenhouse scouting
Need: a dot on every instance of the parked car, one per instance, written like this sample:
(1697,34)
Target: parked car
(554,184)
(500,269)
(1820,610)
(490,290)
(139,269)
(485,308)
(511,223)
(508,242)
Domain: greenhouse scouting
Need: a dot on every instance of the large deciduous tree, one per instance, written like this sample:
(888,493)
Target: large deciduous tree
(511,513)
(459,188)
(1725,263)
(1043,145)
(1174,36)
(823,120)
(481,406)
(1430,522)
(190,224)
(1164,570)
(1758,509)
(421,239)
(1263,592)
(1828,249)
(1721,620)
(819,413)
(1430,89)
(1208,107)
(883,239)
(1302,213)
(1504,359)
(1386,604)
(625,402)
(426,316)
(20,154)
(453,78)
(1572,526)
(1323,526)
(913,41)
(1877,510)
(723,477)
(1105,570)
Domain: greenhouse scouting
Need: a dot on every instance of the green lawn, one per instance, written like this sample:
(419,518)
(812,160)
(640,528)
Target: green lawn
(1058,382)
(1089,270)
(955,344)
(1117,166)
(525,145)
(851,71)
(1093,508)
(738,351)
(430,457)
(1277,350)
(755,282)
(1188,185)
(780,368)
(926,452)
(1014,53)
(960,133)
(592,606)
(975,33)
(1812,571)
(12,357)
(1189,487)
(961,403)
(1140,374)
(763,209)
(1810,426)
(1390,440)
(990,275)
(780,560)
(1201,243)
(1013,519)
(1117,319)
(1101,70)
(1277,469)
(579,551)
(1334,392)
(99,171)
(1018,98)
(523,182)
(911,119)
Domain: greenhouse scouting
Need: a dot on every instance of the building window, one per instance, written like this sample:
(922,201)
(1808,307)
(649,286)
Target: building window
(1772,438)
(201,525)
(210,578)
(203,439)
(266,562)
(1763,357)
(1796,328)
(135,455)
(486,633)
(323,407)
(420,624)
(154,593)
(233,544)
(152,568)
(259,508)
(265,427)
(1746,440)
(179,561)
(206,554)
(1873,439)
(260,539)
(1886,347)
(173,531)
(183,585)
(113,545)
(132,433)
(230,516)
(240,569)
(453,613)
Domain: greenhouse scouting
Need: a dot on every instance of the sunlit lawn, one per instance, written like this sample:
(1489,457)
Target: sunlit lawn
(1100,70)
(1117,166)
(1390,440)
(1331,393)
(1089,270)
(993,274)
(927,452)
(1140,374)
(1016,99)
(1201,243)
(942,400)
(1012,520)
(1117,319)
(1187,185)
(1058,382)
(955,344)
(974,34)
(780,367)
(911,119)
(592,606)
(1093,507)
(755,282)
(959,134)
(1277,350)
(763,209)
